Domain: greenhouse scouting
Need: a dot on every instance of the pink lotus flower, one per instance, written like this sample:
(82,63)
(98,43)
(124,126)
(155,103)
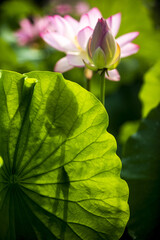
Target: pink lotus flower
(103,51)
(81,8)
(63,9)
(29,31)
(71,37)
(78,9)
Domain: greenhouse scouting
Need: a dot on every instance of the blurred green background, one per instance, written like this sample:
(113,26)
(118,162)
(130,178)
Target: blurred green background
(126,101)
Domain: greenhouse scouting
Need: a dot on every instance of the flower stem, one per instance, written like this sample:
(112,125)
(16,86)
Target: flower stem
(102,93)
(88,75)
(88,81)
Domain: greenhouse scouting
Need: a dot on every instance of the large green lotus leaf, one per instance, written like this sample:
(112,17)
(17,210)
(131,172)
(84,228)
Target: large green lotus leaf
(1,161)
(141,167)
(60,177)
(150,92)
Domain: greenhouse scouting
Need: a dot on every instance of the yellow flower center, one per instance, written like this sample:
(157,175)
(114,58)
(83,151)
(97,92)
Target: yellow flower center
(75,40)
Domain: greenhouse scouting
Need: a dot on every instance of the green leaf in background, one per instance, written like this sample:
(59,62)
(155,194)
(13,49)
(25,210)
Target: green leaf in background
(12,11)
(60,177)
(150,92)
(127,129)
(8,58)
(141,167)
(150,98)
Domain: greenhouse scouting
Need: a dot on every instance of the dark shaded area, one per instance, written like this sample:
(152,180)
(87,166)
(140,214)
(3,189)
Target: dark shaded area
(154,7)
(155,234)
(123,105)
(126,235)
(143,150)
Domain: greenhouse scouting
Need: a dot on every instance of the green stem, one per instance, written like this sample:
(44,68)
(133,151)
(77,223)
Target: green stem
(88,83)
(102,94)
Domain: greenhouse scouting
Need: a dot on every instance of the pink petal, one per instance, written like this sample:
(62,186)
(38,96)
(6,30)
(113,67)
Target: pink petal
(22,38)
(94,14)
(27,27)
(24,23)
(42,24)
(81,8)
(113,75)
(90,19)
(62,26)
(62,65)
(114,23)
(109,22)
(83,37)
(129,49)
(84,22)
(63,8)
(58,41)
(127,38)
(73,22)
(75,60)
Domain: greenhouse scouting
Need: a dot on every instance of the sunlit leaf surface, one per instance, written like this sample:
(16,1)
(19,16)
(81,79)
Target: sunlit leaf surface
(60,177)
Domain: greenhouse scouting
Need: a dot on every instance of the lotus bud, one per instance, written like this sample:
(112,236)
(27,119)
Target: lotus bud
(103,51)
